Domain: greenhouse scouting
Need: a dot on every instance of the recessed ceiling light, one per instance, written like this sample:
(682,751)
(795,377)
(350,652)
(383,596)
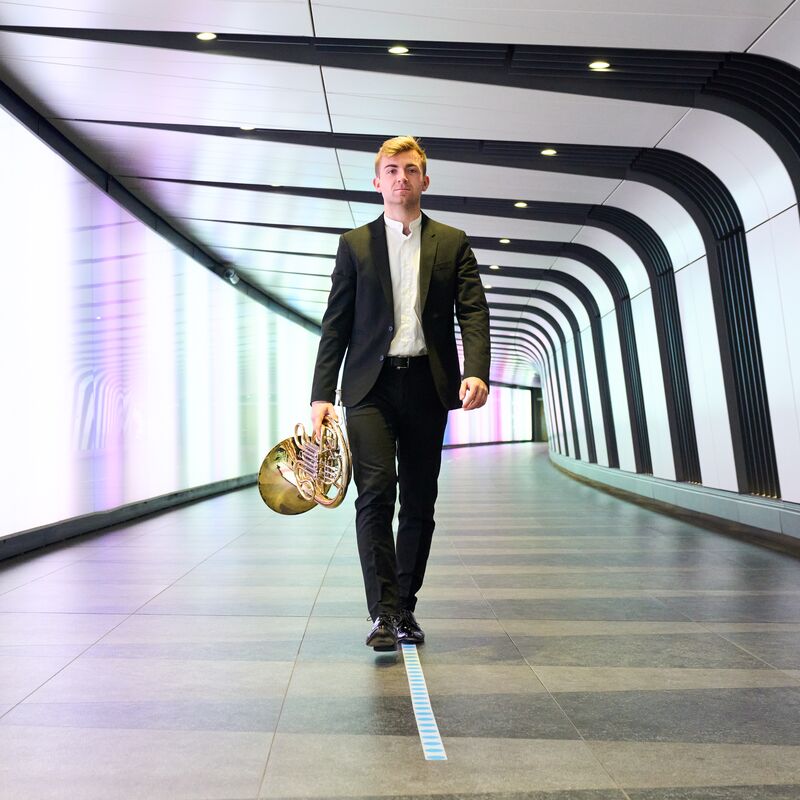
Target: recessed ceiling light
(399,50)
(494,266)
(276,185)
(599,66)
(520,204)
(206,37)
(505,241)
(488,286)
(247,127)
(549,151)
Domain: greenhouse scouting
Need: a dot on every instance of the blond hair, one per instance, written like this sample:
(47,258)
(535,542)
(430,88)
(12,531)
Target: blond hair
(401,144)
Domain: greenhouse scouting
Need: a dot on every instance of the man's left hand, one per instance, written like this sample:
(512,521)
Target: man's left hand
(473,393)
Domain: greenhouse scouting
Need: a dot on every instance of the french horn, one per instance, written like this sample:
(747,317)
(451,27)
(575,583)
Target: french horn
(300,472)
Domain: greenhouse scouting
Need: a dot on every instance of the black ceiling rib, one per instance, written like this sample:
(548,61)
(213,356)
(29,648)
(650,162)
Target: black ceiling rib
(615,283)
(587,299)
(572,321)
(551,387)
(543,315)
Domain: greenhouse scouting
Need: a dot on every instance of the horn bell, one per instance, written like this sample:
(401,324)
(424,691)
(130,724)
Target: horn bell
(277,483)
(300,472)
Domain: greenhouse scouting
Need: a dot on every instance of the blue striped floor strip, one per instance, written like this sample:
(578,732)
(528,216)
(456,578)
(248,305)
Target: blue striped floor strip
(432,746)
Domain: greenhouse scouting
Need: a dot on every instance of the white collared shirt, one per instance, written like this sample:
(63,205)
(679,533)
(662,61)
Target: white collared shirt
(404,265)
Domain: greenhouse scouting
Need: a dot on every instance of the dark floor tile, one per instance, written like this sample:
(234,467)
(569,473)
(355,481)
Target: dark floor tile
(375,715)
(743,580)
(738,608)
(573,794)
(605,608)
(731,716)
(779,648)
(502,716)
(697,651)
(786,792)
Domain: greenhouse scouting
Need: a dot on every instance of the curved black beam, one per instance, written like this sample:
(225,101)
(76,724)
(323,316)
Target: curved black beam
(551,383)
(572,321)
(564,358)
(615,283)
(587,299)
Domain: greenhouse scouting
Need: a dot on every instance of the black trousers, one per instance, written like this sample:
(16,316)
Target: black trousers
(396,434)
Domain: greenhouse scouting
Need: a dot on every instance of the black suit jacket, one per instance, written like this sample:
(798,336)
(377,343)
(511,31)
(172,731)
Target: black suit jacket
(359,319)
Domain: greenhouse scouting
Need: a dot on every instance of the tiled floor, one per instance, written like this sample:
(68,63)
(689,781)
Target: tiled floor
(579,648)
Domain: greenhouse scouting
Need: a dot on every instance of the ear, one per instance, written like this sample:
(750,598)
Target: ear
(376,182)
(426,182)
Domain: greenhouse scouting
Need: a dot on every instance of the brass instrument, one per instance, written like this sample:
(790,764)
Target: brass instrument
(299,472)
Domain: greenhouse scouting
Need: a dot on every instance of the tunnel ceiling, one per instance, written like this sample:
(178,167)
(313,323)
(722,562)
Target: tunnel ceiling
(256,146)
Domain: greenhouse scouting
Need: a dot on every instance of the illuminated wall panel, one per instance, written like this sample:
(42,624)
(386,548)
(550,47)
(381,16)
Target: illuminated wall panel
(507,416)
(130,370)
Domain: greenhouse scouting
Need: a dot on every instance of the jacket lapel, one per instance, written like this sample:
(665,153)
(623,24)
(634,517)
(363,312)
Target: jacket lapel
(380,258)
(427,256)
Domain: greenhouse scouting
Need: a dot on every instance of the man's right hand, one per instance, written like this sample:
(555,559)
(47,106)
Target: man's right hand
(319,410)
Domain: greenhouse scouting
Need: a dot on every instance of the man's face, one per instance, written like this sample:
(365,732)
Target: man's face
(400,180)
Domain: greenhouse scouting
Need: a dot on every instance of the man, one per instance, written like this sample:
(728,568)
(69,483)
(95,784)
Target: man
(395,287)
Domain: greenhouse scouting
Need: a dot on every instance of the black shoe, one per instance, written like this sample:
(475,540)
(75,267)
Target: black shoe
(408,629)
(383,635)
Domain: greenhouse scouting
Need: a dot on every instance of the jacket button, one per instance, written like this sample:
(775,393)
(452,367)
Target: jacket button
(391,328)
(380,358)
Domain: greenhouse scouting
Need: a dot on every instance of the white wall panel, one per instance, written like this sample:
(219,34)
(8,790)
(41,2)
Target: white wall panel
(744,162)
(594,397)
(776,286)
(670,24)
(76,79)
(655,403)
(280,17)
(619,253)
(619,398)
(434,107)
(666,216)
(580,419)
(780,41)
(711,422)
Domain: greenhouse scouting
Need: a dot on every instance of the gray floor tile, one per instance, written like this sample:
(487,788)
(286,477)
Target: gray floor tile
(691,650)
(763,792)
(590,608)
(738,608)
(732,716)
(779,648)
(331,766)
(66,763)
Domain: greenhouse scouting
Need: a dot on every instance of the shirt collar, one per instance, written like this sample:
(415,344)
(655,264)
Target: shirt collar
(397,226)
